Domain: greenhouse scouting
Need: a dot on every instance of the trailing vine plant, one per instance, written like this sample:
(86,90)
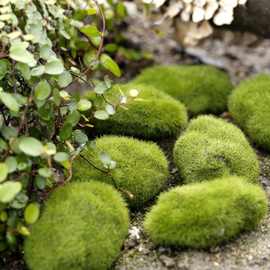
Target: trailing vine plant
(45,46)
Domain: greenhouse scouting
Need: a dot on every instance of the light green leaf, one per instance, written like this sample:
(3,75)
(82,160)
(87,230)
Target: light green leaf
(38,71)
(31,213)
(90,31)
(84,105)
(31,146)
(3,171)
(108,63)
(54,67)
(11,162)
(9,190)
(64,79)
(61,156)
(42,90)
(9,101)
(101,115)
(18,52)
(50,149)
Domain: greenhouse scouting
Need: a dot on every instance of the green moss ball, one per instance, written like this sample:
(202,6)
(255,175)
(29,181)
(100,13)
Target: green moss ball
(203,215)
(151,115)
(83,226)
(249,106)
(203,89)
(212,148)
(141,167)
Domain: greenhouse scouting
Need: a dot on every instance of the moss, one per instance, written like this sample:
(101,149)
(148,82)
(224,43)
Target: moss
(82,227)
(202,215)
(249,106)
(141,167)
(212,148)
(203,89)
(152,114)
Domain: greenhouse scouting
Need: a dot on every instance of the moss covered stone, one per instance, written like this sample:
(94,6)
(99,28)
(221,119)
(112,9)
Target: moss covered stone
(212,148)
(249,106)
(203,89)
(202,215)
(141,167)
(82,227)
(152,114)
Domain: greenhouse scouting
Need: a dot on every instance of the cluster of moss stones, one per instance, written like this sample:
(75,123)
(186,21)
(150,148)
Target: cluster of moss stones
(84,223)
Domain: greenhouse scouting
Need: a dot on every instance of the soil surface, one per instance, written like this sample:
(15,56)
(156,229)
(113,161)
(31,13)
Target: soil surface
(240,55)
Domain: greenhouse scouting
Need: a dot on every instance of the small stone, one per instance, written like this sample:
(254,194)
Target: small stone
(167,261)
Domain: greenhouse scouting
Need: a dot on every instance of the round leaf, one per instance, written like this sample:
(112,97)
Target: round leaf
(9,190)
(31,213)
(101,115)
(84,105)
(31,146)
(42,90)
(3,171)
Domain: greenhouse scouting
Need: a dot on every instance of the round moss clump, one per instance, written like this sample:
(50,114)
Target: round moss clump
(249,106)
(203,89)
(212,148)
(141,167)
(151,115)
(82,227)
(204,215)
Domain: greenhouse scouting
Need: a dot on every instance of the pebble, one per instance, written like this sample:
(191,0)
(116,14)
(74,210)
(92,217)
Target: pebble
(167,261)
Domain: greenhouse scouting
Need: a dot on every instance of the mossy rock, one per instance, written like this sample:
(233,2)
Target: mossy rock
(141,167)
(203,215)
(151,115)
(203,89)
(82,227)
(249,106)
(212,148)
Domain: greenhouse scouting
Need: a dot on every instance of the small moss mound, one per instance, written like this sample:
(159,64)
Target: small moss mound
(212,148)
(82,227)
(141,167)
(203,215)
(249,106)
(151,115)
(203,89)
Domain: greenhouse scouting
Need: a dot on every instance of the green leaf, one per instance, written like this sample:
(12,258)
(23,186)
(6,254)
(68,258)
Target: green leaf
(31,213)
(73,118)
(66,132)
(101,115)
(18,52)
(4,66)
(101,88)
(54,67)
(3,171)
(80,137)
(108,63)
(9,190)
(45,172)
(31,146)
(42,90)
(49,149)
(90,31)
(64,79)
(61,156)
(25,70)
(37,71)
(84,105)
(9,101)
(11,162)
